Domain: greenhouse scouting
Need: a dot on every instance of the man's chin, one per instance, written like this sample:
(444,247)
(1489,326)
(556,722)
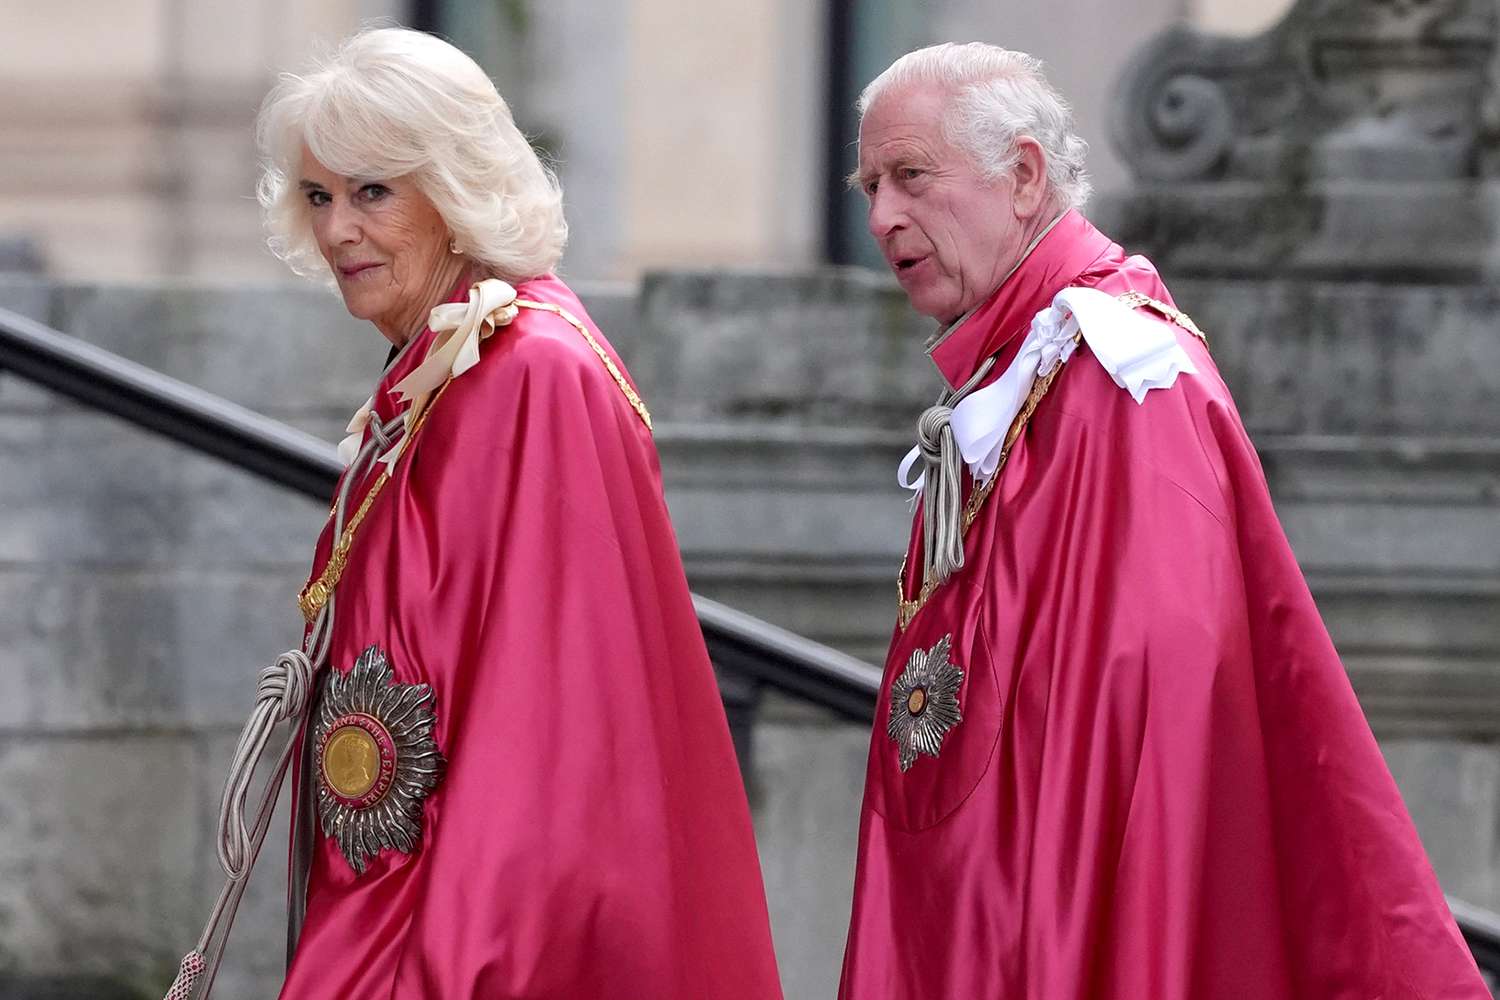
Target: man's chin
(936,307)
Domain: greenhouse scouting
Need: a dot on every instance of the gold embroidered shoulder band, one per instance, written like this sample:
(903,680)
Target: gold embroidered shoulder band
(1135,300)
(631,395)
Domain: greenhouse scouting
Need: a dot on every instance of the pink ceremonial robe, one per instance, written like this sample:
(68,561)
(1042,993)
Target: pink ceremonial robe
(590,837)
(1162,787)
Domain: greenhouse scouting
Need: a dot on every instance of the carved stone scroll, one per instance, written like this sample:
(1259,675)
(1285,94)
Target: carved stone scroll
(1381,90)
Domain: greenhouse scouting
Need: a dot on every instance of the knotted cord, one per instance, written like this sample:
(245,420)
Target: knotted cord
(942,483)
(281,695)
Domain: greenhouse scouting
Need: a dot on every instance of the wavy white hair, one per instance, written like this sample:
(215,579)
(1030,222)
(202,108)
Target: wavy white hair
(392,102)
(998,96)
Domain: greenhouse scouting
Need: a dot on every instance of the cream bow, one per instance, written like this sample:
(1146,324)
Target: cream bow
(458,327)
(349,446)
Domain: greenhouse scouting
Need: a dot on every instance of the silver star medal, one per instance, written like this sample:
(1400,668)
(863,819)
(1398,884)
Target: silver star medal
(924,703)
(376,759)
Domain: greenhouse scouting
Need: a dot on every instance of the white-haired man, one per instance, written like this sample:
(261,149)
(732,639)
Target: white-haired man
(1115,754)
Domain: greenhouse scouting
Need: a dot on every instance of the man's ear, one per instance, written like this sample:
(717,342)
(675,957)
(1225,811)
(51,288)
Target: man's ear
(1030,175)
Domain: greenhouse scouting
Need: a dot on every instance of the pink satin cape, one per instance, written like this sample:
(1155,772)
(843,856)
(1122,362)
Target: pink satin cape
(591,836)
(1162,787)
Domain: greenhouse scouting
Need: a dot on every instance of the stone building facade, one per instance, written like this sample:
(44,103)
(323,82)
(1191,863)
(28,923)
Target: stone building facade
(686,133)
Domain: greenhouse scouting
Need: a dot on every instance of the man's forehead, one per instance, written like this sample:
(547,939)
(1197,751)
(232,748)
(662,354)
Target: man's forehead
(880,154)
(913,105)
(906,122)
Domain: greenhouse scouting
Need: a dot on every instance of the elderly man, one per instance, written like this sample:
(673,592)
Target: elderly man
(1115,753)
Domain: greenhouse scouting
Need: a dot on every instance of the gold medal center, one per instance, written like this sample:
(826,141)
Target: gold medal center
(351,762)
(916,702)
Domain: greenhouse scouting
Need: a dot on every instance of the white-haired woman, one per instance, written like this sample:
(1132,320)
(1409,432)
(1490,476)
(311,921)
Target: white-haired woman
(516,779)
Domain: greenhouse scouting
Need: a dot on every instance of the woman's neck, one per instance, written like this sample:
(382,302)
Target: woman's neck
(440,283)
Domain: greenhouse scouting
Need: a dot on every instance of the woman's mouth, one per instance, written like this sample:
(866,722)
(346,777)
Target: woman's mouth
(354,270)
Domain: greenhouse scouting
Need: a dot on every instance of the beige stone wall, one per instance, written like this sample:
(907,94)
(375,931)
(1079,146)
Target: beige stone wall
(724,111)
(696,139)
(1085,45)
(1237,17)
(125,133)
(724,114)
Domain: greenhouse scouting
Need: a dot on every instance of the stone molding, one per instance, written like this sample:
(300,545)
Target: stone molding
(1355,139)
(1374,90)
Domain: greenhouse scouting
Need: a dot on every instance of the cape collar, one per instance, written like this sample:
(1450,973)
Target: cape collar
(1063,251)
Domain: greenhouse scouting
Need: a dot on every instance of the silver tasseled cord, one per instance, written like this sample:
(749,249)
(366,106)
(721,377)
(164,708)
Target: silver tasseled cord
(942,483)
(284,694)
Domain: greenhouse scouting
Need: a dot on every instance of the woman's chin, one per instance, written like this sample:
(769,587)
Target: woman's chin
(361,304)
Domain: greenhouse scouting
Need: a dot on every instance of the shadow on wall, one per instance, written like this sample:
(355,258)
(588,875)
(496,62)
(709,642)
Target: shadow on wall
(20,255)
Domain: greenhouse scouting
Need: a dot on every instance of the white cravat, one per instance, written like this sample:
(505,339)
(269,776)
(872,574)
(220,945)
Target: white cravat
(1139,353)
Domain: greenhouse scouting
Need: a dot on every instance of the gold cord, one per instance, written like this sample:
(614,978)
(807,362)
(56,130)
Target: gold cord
(1135,300)
(316,594)
(609,363)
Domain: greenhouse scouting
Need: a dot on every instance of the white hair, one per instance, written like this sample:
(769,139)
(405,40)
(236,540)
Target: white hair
(392,102)
(998,97)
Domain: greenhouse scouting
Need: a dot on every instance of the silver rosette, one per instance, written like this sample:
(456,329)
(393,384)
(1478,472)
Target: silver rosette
(924,703)
(375,758)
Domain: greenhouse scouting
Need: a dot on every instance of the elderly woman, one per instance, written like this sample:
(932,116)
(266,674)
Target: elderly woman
(516,779)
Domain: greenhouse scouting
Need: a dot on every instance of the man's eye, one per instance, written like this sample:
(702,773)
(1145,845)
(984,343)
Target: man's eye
(908,173)
(870,188)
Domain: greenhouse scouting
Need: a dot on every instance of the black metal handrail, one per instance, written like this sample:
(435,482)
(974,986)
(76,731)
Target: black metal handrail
(787,661)
(1481,929)
(163,405)
(288,457)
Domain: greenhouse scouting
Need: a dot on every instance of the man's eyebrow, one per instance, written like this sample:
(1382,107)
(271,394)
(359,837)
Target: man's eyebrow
(908,158)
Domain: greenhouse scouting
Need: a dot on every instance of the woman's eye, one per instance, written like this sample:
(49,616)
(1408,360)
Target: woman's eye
(870,188)
(374,192)
(317,198)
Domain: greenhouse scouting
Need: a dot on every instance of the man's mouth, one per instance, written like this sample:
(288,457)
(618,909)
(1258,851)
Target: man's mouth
(903,264)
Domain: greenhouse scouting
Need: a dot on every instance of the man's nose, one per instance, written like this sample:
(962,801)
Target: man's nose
(885,214)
